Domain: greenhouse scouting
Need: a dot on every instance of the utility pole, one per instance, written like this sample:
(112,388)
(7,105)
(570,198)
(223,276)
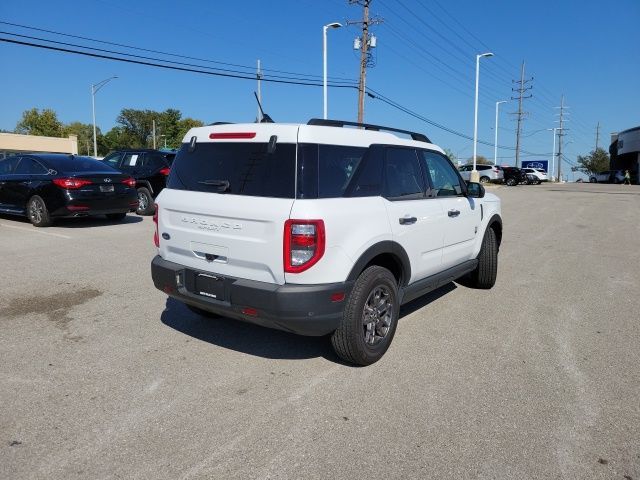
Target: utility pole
(364,43)
(597,134)
(259,77)
(521,90)
(560,135)
(154,134)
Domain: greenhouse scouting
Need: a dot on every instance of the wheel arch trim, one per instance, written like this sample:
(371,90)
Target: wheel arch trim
(388,247)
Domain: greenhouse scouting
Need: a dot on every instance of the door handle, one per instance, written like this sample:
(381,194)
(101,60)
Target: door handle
(407,220)
(453,213)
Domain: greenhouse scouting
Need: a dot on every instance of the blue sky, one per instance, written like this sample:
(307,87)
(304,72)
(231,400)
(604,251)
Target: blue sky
(425,61)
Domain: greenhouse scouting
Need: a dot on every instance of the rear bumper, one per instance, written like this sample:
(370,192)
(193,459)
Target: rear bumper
(76,204)
(301,309)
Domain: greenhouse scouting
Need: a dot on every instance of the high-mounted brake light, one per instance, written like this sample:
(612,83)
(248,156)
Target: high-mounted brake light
(304,242)
(71,183)
(165,171)
(130,182)
(231,135)
(156,237)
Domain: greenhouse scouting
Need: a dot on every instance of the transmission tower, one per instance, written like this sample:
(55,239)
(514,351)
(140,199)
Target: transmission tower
(523,87)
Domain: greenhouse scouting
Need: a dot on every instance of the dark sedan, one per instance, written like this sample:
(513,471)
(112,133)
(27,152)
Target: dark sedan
(50,185)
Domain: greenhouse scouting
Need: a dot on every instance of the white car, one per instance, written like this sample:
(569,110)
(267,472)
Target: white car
(486,173)
(539,173)
(319,229)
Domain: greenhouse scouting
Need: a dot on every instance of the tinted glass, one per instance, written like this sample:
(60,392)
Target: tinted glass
(155,161)
(8,165)
(76,164)
(28,166)
(247,167)
(483,167)
(444,179)
(113,159)
(403,177)
(131,160)
(325,171)
(367,181)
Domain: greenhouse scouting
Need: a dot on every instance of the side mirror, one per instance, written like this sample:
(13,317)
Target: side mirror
(475,190)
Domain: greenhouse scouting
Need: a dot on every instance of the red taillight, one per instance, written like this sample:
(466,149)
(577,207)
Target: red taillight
(252,312)
(303,244)
(165,171)
(156,237)
(130,182)
(231,135)
(71,183)
(77,208)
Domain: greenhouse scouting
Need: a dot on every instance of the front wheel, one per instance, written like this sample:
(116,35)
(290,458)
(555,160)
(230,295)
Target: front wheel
(485,274)
(484,179)
(38,213)
(370,318)
(592,180)
(145,202)
(511,182)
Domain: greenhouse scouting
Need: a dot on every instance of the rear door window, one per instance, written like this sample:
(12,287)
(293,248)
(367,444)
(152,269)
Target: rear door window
(403,176)
(236,168)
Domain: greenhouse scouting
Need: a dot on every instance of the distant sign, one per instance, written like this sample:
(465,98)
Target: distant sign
(544,164)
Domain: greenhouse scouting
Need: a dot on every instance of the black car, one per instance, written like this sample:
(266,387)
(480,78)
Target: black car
(148,167)
(50,185)
(513,176)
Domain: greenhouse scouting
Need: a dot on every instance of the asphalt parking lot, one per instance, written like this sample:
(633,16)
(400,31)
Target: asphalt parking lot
(102,377)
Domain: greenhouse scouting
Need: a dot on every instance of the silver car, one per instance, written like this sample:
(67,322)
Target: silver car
(608,176)
(487,173)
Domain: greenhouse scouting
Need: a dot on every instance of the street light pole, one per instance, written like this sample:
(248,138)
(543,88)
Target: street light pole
(94,90)
(495,142)
(324,63)
(553,155)
(474,177)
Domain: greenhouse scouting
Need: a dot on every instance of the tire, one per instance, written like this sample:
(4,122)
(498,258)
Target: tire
(116,216)
(38,213)
(485,274)
(201,312)
(511,182)
(363,343)
(593,180)
(484,179)
(145,202)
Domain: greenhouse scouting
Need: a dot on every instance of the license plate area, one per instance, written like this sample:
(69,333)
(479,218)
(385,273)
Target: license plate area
(210,286)
(106,188)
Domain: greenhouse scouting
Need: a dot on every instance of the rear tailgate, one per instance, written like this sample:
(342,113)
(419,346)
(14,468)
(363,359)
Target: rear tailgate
(227,201)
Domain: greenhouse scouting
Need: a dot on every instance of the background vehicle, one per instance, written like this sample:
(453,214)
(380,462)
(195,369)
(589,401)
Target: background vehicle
(318,229)
(148,167)
(46,186)
(608,176)
(512,175)
(539,173)
(487,173)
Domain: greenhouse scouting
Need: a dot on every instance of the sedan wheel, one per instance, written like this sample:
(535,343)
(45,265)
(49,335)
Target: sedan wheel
(38,213)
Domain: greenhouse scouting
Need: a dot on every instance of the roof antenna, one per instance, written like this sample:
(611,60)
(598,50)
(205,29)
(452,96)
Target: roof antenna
(265,118)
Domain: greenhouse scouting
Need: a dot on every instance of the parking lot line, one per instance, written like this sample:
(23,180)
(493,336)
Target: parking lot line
(59,235)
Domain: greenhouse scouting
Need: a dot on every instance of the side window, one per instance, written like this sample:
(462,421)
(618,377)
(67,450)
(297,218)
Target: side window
(403,177)
(444,179)
(131,160)
(8,165)
(367,181)
(113,159)
(28,166)
(155,161)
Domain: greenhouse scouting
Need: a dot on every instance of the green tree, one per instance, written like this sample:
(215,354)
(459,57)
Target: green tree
(452,156)
(596,161)
(36,122)
(183,127)
(480,160)
(84,132)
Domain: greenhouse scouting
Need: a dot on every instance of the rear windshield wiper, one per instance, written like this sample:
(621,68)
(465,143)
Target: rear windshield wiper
(223,185)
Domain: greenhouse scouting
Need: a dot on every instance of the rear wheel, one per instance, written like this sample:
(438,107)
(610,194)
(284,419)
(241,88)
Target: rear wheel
(485,274)
(38,213)
(145,202)
(116,216)
(511,181)
(370,318)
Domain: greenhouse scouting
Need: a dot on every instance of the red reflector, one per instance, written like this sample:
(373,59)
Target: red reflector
(167,289)
(252,312)
(71,183)
(337,297)
(77,208)
(156,236)
(228,135)
(165,171)
(303,241)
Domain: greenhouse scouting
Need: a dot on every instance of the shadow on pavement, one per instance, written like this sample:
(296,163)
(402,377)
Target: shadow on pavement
(79,222)
(265,342)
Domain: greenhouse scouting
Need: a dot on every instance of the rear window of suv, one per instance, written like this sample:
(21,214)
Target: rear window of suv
(236,168)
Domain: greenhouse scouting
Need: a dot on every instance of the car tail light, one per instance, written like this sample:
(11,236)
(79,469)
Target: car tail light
(303,244)
(130,182)
(77,208)
(71,183)
(156,237)
(165,171)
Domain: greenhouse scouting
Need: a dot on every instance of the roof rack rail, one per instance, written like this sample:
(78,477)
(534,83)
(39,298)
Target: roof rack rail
(418,137)
(219,123)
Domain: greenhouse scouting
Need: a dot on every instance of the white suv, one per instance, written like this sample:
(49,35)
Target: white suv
(539,173)
(319,229)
